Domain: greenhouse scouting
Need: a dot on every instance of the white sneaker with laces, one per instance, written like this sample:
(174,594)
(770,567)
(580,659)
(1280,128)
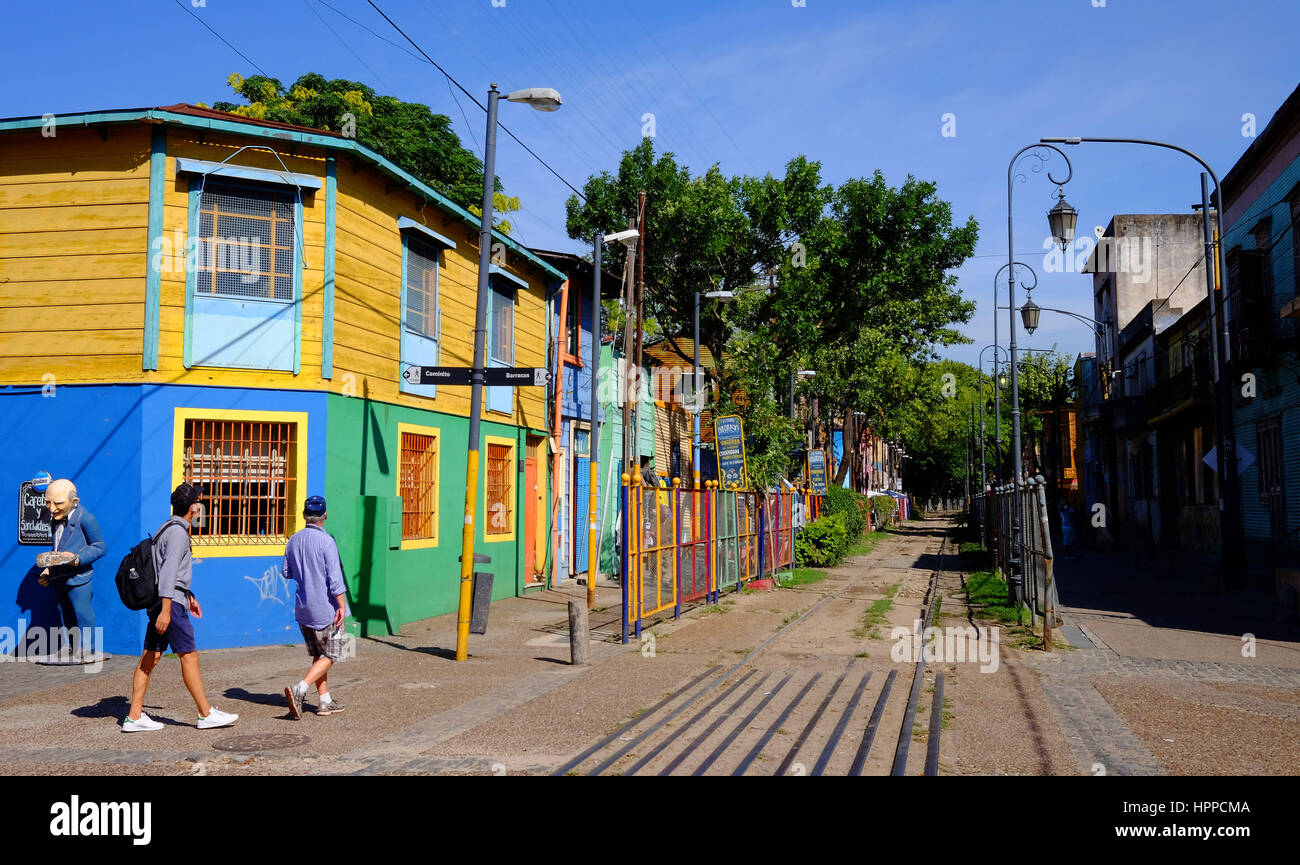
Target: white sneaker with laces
(143,724)
(217,718)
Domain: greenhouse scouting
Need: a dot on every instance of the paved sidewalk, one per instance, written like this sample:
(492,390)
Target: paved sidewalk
(1164,678)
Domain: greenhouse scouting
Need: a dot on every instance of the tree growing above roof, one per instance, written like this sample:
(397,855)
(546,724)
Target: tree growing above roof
(407,133)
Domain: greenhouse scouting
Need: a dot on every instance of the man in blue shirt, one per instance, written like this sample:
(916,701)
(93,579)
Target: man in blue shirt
(311,559)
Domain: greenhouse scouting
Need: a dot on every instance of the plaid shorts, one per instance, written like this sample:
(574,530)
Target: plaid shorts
(330,641)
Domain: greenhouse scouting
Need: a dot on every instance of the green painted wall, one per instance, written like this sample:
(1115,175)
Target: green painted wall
(389,586)
(611,451)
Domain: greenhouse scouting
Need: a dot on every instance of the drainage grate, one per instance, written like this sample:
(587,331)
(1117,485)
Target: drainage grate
(261,742)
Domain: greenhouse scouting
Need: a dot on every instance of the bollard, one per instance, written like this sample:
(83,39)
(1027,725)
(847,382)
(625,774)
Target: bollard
(579,639)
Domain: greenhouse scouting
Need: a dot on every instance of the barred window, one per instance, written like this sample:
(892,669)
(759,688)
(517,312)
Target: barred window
(421,288)
(246,243)
(419,486)
(500,489)
(246,470)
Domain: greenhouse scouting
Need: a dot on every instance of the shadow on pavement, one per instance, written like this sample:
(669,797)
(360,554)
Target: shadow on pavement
(1104,583)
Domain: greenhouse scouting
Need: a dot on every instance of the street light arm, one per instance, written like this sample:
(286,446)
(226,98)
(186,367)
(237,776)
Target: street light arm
(1011,167)
(1048,142)
(998,275)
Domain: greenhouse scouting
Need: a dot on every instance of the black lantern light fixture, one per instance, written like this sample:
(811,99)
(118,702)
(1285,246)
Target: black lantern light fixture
(1063,218)
(1029,315)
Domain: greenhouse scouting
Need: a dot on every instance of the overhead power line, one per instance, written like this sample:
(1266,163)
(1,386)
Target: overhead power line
(222,38)
(449,77)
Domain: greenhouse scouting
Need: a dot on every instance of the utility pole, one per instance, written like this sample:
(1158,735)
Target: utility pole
(628,384)
(640,334)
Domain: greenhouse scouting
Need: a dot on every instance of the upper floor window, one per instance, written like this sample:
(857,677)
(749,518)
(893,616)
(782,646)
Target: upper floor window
(573,343)
(246,243)
(501,344)
(421,329)
(421,288)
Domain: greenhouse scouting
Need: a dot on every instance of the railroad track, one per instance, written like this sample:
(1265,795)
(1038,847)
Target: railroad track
(762,717)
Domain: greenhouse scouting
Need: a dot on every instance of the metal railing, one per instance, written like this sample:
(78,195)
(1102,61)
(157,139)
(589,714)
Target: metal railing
(992,513)
(682,545)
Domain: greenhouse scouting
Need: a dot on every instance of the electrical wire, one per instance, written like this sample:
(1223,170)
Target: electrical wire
(222,38)
(462,89)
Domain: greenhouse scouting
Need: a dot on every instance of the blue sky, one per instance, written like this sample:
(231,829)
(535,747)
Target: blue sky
(858,86)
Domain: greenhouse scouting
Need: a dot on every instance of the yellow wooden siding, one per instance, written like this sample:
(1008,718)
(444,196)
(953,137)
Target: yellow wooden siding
(369,284)
(74,256)
(74,216)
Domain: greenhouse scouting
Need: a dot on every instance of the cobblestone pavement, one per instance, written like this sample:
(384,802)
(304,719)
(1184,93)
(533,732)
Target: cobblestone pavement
(1104,742)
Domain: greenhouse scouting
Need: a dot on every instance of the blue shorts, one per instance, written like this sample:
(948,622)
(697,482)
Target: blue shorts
(179,634)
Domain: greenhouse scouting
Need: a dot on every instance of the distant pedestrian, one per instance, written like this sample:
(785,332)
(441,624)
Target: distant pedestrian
(78,542)
(169,619)
(311,559)
(1067,528)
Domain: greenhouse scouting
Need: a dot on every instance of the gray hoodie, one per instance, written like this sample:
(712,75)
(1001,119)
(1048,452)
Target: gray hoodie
(174,564)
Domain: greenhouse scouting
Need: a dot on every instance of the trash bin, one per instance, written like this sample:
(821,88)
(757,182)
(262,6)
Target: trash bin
(482,595)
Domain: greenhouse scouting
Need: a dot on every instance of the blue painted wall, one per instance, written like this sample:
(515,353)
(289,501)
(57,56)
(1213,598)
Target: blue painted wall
(1277,386)
(90,435)
(115,443)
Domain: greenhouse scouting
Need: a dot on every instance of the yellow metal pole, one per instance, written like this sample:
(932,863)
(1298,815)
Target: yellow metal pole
(467,558)
(635,530)
(677,535)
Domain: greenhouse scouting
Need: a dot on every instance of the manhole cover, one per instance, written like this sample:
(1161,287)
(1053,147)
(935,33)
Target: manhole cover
(261,742)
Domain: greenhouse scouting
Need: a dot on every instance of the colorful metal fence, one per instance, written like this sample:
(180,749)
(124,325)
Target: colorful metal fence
(681,546)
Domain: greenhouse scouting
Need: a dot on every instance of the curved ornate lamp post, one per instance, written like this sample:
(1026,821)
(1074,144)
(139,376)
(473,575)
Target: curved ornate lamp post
(1229,495)
(997,416)
(1062,219)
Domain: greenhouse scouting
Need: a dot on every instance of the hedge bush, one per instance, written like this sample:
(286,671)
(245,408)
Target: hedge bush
(853,506)
(883,509)
(822,542)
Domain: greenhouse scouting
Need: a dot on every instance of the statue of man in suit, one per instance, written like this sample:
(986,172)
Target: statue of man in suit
(78,538)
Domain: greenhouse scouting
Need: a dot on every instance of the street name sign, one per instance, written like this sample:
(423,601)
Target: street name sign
(524,376)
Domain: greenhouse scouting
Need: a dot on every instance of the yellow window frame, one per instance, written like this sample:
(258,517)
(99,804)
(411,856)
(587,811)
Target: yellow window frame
(513,445)
(436,434)
(295,495)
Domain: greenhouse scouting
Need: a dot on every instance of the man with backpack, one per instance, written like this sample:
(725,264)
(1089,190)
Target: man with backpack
(169,618)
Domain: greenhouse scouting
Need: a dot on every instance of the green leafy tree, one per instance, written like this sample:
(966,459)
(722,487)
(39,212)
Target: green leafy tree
(408,133)
(704,233)
(867,295)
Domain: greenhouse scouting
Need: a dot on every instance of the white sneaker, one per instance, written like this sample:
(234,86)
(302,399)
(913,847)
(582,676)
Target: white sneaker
(217,718)
(141,725)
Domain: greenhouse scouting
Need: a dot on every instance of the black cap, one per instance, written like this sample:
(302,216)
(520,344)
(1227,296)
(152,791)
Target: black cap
(185,495)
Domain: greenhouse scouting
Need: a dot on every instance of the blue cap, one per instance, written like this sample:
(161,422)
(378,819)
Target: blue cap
(314,506)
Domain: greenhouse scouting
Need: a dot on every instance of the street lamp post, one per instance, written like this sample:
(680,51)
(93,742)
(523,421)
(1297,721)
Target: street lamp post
(1226,444)
(997,415)
(593,542)
(1062,218)
(543,99)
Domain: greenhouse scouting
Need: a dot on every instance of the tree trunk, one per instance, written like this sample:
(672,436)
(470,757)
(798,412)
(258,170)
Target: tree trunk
(850,449)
